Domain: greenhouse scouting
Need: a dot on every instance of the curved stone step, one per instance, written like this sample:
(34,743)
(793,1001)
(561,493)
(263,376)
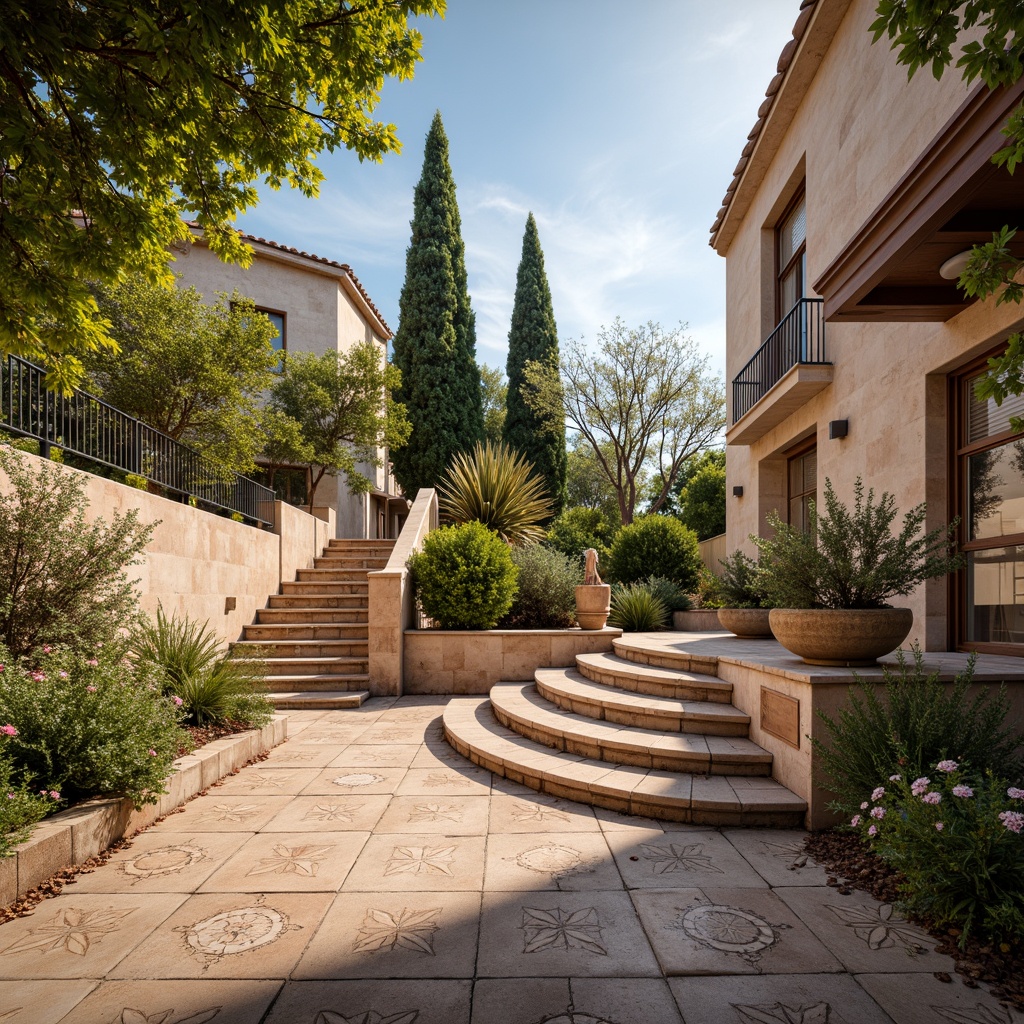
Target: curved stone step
(315,701)
(653,680)
(574,692)
(665,657)
(471,728)
(520,707)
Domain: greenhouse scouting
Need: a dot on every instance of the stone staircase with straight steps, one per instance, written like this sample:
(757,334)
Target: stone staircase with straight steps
(314,635)
(638,731)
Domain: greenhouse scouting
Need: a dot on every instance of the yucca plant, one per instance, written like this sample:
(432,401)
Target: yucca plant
(495,485)
(636,609)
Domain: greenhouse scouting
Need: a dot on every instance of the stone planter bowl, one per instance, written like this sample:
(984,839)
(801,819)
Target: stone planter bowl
(851,637)
(593,603)
(750,623)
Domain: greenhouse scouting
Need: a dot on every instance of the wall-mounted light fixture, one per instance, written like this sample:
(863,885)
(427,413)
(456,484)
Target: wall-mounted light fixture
(838,428)
(737,492)
(954,266)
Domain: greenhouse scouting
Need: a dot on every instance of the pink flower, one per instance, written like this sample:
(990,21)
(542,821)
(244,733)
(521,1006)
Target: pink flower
(62,674)
(47,648)
(8,730)
(1013,820)
(10,796)
(932,798)
(878,793)
(878,813)
(152,752)
(38,676)
(873,831)
(92,661)
(98,645)
(54,795)
(895,778)
(946,766)
(90,689)
(1,668)
(1015,794)
(920,786)
(939,826)
(864,806)
(964,791)
(177,701)
(855,820)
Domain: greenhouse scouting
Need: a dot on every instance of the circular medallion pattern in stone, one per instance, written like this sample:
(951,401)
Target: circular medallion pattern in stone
(575,1018)
(550,858)
(358,779)
(165,861)
(728,929)
(236,931)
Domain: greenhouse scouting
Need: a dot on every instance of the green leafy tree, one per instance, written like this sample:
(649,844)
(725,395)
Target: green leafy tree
(587,485)
(925,34)
(645,403)
(194,371)
(714,457)
(494,388)
(341,406)
(135,114)
(534,339)
(702,502)
(435,345)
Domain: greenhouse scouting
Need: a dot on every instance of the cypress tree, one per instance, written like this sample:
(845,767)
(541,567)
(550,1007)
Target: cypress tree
(534,337)
(435,344)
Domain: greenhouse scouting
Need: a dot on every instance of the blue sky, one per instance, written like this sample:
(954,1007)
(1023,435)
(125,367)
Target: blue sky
(617,124)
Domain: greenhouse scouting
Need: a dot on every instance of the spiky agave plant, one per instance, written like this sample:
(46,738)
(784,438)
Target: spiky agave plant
(495,485)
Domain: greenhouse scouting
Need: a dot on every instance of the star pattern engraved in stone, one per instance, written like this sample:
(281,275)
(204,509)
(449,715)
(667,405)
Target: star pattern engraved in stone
(420,860)
(168,860)
(408,929)
(367,1017)
(292,860)
(794,853)
(668,860)
(353,780)
(442,778)
(70,931)
(333,812)
(435,812)
(576,1018)
(4,1014)
(298,758)
(979,1015)
(268,778)
(537,812)
(550,859)
(562,929)
(396,735)
(879,930)
(130,1015)
(235,931)
(779,1013)
(728,930)
(227,812)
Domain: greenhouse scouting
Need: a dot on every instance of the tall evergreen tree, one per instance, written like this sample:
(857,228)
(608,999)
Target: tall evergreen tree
(435,345)
(534,338)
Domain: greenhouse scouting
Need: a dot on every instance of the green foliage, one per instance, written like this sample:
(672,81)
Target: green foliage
(636,609)
(90,726)
(915,722)
(713,457)
(339,402)
(20,808)
(62,580)
(138,114)
(741,584)
(669,594)
(185,656)
(576,529)
(194,371)
(644,403)
(546,598)
(955,837)
(655,546)
(435,344)
(494,389)
(709,589)
(587,485)
(702,502)
(495,486)
(533,338)
(464,577)
(852,559)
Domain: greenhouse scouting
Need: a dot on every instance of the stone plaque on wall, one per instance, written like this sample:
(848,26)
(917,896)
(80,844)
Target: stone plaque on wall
(780,716)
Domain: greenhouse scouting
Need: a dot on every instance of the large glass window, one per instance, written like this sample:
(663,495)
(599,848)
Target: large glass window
(803,488)
(278,341)
(791,257)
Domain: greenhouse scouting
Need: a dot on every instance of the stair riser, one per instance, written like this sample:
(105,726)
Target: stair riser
(281,633)
(354,603)
(373,549)
(316,667)
(331,576)
(651,688)
(314,685)
(311,651)
(345,562)
(327,589)
(668,659)
(351,617)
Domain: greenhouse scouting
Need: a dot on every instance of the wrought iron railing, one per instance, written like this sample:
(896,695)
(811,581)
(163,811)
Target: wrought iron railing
(799,338)
(85,425)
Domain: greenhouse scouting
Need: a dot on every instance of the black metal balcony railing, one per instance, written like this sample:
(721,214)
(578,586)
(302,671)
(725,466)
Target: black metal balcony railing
(90,428)
(799,338)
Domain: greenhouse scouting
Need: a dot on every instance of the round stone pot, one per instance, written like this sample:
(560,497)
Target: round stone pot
(593,602)
(750,623)
(836,636)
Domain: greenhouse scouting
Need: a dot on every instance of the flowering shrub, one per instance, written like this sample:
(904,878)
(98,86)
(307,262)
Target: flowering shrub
(88,726)
(956,838)
(20,808)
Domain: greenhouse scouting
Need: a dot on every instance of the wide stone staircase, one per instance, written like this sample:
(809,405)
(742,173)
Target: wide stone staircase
(641,731)
(314,635)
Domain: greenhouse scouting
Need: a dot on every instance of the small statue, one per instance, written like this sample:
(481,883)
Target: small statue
(590,575)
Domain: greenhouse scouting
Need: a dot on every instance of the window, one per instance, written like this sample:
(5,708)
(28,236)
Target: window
(791,257)
(278,341)
(803,488)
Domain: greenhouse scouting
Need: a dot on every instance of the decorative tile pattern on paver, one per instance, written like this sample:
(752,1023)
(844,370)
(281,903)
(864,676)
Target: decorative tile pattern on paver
(368,1002)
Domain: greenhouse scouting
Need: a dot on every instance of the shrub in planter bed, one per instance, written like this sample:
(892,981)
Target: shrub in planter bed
(637,609)
(464,577)
(655,546)
(20,806)
(546,598)
(577,529)
(89,726)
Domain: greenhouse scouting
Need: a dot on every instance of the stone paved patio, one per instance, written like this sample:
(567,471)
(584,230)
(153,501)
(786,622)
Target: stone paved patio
(366,874)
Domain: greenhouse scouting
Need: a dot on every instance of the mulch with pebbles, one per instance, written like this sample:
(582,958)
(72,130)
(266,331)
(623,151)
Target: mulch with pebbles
(855,866)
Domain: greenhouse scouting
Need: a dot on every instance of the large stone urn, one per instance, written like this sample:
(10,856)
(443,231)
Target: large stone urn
(840,636)
(749,623)
(593,603)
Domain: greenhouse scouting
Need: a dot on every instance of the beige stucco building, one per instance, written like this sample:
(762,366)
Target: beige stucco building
(849,353)
(317,305)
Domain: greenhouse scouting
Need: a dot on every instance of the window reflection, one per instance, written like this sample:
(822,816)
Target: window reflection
(995,595)
(996,491)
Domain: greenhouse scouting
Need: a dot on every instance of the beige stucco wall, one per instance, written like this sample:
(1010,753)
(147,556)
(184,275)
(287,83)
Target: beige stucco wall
(858,129)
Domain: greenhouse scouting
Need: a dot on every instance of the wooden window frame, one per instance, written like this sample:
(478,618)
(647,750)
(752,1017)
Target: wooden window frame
(798,452)
(800,196)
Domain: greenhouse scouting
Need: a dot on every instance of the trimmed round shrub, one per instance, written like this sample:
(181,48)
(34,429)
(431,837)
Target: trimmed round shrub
(577,529)
(464,577)
(636,609)
(655,546)
(547,589)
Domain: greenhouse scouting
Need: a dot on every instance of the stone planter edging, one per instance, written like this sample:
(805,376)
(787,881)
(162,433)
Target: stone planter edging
(697,620)
(87,829)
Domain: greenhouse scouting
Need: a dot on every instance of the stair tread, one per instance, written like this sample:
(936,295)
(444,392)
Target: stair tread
(609,662)
(345,642)
(296,699)
(294,682)
(471,727)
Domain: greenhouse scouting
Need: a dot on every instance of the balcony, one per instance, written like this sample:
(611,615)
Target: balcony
(786,371)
